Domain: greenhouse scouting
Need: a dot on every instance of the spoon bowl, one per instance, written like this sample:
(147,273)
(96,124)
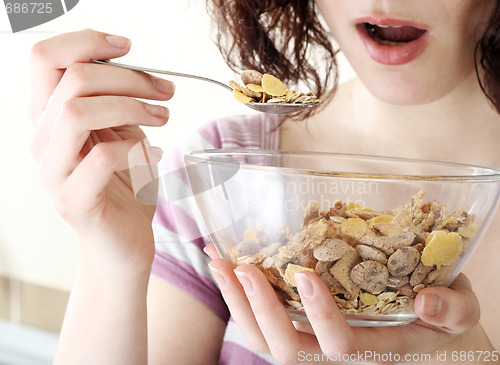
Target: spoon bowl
(280,108)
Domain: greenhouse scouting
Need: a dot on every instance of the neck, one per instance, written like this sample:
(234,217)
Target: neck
(461,127)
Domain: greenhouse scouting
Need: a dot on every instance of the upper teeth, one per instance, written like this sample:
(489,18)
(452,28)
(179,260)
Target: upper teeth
(389,26)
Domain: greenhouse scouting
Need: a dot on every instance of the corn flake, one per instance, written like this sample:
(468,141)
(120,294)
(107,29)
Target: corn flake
(242,98)
(291,270)
(250,234)
(268,89)
(255,87)
(354,227)
(441,248)
(468,231)
(384,218)
(273,86)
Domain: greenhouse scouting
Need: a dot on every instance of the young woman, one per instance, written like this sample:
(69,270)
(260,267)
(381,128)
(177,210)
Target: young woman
(417,81)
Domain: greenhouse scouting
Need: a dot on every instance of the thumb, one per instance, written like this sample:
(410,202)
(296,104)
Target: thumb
(453,310)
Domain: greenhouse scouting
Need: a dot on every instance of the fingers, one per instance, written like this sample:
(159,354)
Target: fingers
(100,163)
(60,76)
(282,338)
(453,310)
(323,314)
(90,79)
(83,80)
(237,302)
(268,310)
(81,116)
(50,57)
(264,320)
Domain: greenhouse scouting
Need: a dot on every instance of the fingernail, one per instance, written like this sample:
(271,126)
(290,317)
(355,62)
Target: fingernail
(219,278)
(304,285)
(157,111)
(244,281)
(118,42)
(155,152)
(164,86)
(431,305)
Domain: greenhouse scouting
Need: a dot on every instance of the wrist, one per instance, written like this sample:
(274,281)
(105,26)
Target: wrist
(121,265)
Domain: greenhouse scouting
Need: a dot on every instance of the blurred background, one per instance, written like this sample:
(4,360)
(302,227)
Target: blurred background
(38,250)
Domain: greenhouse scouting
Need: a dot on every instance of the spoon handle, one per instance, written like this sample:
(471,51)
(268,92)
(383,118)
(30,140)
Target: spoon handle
(170,73)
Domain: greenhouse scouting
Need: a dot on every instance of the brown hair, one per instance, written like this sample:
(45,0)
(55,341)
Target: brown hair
(279,37)
(488,67)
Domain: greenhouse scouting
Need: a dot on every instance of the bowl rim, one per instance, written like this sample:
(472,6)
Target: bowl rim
(200,156)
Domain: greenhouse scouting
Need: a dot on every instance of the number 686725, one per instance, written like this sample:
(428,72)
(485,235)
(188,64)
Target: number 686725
(28,8)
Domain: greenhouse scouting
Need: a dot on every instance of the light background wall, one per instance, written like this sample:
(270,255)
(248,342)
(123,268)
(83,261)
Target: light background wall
(36,245)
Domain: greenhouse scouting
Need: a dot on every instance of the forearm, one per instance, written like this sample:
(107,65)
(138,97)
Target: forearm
(105,321)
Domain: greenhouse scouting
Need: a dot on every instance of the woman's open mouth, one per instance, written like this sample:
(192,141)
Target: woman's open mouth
(392,42)
(393,36)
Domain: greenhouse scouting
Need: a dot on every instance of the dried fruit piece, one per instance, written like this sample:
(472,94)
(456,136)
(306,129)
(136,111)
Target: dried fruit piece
(273,86)
(403,261)
(371,276)
(419,274)
(371,253)
(389,244)
(333,249)
(247,248)
(291,270)
(251,77)
(441,248)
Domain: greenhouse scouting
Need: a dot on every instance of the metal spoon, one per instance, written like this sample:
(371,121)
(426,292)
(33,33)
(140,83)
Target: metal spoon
(272,108)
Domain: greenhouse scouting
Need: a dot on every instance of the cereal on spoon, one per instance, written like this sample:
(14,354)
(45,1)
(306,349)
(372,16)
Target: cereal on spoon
(266,88)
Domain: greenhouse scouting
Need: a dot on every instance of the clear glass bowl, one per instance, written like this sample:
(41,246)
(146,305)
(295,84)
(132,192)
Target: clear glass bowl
(375,229)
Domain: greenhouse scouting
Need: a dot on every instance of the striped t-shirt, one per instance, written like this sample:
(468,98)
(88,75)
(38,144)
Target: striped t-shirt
(179,232)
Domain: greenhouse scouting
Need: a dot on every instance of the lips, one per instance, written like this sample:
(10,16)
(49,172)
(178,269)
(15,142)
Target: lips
(392,42)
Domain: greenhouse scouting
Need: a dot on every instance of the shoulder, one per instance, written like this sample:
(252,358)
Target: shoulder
(249,131)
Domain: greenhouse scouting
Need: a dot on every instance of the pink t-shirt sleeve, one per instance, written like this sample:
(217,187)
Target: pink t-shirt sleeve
(179,232)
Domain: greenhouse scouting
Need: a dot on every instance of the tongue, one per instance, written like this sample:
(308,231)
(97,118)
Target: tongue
(398,34)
